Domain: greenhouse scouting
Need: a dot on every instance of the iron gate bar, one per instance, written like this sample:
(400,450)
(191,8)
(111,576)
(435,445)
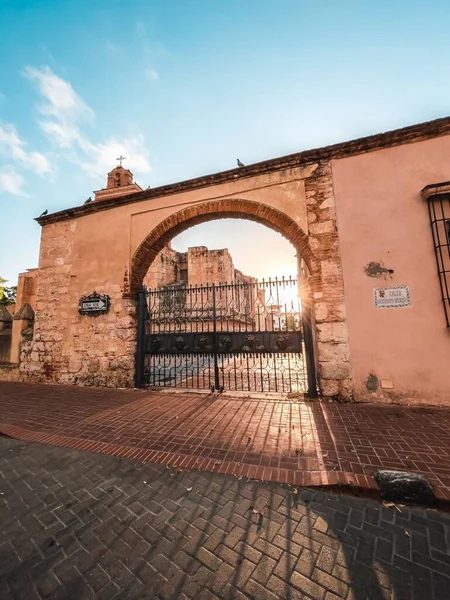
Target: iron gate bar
(141,340)
(215,334)
(309,346)
(215,348)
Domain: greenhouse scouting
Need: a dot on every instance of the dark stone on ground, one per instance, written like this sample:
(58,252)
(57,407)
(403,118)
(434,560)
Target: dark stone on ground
(401,486)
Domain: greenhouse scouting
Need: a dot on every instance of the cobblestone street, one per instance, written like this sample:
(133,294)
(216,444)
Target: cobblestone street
(80,525)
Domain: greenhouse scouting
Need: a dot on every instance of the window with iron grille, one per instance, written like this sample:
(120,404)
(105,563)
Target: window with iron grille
(439,209)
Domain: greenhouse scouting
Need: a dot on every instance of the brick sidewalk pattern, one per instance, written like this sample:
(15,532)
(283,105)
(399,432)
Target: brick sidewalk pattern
(304,444)
(78,525)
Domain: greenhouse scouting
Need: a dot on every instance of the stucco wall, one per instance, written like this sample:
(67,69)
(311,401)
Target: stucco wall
(382,219)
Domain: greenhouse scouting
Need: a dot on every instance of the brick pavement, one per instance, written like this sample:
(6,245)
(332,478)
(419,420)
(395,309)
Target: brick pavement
(307,444)
(80,525)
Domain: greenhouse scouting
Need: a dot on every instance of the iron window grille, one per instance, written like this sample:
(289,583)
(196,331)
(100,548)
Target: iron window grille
(439,210)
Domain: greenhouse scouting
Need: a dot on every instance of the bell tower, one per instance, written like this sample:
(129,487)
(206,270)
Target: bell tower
(119,183)
(119,177)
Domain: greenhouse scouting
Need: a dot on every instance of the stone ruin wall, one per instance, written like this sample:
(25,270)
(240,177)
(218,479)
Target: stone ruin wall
(203,266)
(209,266)
(164,270)
(326,288)
(59,352)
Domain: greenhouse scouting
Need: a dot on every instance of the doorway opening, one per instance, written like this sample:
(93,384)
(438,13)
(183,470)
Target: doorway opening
(204,323)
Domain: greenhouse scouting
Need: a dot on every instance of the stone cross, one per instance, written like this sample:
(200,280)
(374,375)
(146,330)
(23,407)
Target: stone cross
(121,158)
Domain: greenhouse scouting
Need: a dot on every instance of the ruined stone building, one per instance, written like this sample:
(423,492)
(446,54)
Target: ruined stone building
(197,266)
(238,298)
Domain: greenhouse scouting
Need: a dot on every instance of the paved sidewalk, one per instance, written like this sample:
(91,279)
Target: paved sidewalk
(305,444)
(88,526)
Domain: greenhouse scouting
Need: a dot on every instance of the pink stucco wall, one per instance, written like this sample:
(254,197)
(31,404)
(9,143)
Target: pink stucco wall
(382,218)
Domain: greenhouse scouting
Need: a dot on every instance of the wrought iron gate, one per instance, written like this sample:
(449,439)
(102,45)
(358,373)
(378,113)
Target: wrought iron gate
(245,336)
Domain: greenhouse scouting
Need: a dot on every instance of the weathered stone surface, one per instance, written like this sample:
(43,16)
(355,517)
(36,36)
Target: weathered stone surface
(346,389)
(321,311)
(335,370)
(331,352)
(328,387)
(325,227)
(332,332)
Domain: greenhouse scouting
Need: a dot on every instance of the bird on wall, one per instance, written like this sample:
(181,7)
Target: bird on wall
(240,164)
(44,213)
(88,200)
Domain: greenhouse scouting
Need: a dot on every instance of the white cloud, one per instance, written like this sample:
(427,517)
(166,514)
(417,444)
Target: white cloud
(11,145)
(65,113)
(101,157)
(65,135)
(62,107)
(61,100)
(12,182)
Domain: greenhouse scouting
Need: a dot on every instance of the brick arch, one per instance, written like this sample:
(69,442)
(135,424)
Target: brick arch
(170,227)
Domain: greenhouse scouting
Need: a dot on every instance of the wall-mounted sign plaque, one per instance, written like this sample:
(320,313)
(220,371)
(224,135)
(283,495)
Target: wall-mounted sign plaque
(94,304)
(392,297)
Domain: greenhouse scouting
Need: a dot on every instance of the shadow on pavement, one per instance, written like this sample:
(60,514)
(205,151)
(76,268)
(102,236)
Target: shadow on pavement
(79,525)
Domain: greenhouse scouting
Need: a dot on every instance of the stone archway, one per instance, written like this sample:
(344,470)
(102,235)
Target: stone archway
(326,341)
(266,215)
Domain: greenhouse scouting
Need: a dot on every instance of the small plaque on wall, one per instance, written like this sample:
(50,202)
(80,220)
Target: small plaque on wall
(94,304)
(392,297)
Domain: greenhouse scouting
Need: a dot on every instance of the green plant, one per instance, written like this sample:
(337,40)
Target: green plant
(7,294)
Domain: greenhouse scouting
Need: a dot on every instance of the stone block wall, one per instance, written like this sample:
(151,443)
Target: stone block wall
(209,266)
(70,348)
(334,369)
(164,270)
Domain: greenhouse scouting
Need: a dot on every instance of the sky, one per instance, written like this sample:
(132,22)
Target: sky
(183,88)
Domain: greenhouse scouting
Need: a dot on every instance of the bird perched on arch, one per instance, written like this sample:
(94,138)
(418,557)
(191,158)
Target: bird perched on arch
(240,164)
(88,200)
(44,213)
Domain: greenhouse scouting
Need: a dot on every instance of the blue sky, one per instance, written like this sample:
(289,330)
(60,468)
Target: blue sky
(184,87)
